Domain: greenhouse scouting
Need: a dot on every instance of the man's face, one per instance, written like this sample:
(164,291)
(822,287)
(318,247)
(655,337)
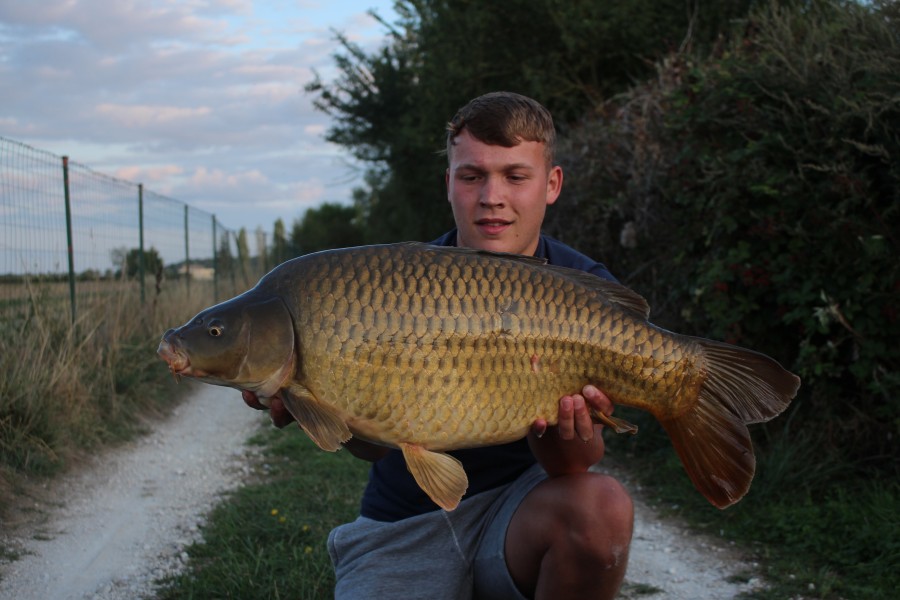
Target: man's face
(499,195)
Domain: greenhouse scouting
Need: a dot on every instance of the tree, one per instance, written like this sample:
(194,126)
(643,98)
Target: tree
(328,226)
(280,251)
(224,257)
(261,249)
(389,107)
(117,257)
(243,249)
(153,263)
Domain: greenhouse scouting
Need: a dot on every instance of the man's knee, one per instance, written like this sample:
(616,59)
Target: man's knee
(598,518)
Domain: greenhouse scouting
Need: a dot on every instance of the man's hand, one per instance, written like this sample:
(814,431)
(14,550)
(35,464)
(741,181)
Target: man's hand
(277,411)
(575,443)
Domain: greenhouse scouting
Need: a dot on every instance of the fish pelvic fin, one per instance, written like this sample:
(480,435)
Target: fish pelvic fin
(440,475)
(321,422)
(711,438)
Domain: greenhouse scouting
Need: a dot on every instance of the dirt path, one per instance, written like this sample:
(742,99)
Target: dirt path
(668,562)
(125,522)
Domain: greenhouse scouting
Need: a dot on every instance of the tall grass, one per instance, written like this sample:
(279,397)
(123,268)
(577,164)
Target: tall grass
(70,388)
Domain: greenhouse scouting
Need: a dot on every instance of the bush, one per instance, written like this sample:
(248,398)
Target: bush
(754,196)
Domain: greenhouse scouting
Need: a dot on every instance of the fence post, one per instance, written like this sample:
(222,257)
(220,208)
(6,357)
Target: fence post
(187,253)
(65,165)
(141,238)
(215,263)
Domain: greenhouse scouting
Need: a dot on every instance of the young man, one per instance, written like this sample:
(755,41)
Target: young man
(534,522)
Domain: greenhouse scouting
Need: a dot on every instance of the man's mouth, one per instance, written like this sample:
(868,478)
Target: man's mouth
(492,226)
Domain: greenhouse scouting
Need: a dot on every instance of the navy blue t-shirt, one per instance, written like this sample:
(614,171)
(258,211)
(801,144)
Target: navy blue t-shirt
(392,494)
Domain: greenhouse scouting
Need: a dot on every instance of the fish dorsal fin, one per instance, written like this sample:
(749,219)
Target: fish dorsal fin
(612,291)
(440,475)
(321,422)
(460,250)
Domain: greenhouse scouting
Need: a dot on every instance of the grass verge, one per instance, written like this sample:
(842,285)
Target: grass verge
(268,539)
(820,527)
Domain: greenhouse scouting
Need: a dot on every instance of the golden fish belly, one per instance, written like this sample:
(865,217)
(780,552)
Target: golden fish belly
(459,352)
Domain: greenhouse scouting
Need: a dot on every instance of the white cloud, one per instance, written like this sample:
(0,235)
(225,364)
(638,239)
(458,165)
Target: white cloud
(143,116)
(201,100)
(149,175)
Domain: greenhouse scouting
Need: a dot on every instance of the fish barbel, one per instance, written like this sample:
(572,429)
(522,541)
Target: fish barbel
(430,349)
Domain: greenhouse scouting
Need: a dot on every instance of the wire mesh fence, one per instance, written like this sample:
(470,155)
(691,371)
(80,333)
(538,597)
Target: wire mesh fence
(66,226)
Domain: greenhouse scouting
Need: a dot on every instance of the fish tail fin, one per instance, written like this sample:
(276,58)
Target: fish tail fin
(711,438)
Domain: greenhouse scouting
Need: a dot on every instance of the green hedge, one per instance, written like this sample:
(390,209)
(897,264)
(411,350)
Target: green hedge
(754,196)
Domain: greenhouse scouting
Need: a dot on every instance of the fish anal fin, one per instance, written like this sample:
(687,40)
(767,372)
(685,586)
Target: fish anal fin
(440,475)
(715,449)
(322,423)
(616,424)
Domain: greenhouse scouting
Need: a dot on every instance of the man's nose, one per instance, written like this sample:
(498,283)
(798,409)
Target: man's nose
(491,193)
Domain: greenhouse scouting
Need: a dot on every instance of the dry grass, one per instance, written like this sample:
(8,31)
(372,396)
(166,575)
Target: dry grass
(69,389)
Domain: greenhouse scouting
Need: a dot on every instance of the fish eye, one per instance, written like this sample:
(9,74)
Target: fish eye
(215,328)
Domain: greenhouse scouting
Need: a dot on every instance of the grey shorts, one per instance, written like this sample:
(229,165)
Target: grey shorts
(454,555)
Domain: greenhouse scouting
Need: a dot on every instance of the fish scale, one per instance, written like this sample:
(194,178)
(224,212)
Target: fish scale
(513,322)
(432,349)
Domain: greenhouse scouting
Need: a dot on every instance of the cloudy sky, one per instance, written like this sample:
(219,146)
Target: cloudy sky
(199,100)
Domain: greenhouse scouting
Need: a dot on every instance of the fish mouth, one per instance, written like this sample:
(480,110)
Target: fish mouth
(178,361)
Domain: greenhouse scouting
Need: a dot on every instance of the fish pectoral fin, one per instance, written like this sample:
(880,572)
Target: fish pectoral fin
(616,424)
(440,475)
(322,423)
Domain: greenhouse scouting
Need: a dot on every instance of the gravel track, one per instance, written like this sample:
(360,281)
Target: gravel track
(110,530)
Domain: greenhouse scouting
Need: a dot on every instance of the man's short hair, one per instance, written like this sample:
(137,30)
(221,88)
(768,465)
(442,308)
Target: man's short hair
(504,119)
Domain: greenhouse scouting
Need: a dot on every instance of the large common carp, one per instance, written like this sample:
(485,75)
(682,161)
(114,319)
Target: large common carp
(430,349)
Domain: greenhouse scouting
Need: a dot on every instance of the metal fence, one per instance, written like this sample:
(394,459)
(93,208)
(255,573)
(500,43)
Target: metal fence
(62,222)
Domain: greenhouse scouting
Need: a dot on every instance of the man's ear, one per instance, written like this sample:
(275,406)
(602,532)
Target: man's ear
(554,184)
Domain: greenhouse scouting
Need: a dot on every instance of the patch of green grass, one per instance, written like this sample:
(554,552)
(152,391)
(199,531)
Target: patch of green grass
(635,590)
(268,539)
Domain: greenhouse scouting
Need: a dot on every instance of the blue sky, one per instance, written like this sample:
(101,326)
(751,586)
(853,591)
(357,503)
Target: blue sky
(200,100)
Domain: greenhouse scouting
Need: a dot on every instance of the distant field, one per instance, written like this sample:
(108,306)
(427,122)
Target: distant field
(17,299)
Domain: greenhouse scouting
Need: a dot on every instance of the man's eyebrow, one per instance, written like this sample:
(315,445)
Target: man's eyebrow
(509,167)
